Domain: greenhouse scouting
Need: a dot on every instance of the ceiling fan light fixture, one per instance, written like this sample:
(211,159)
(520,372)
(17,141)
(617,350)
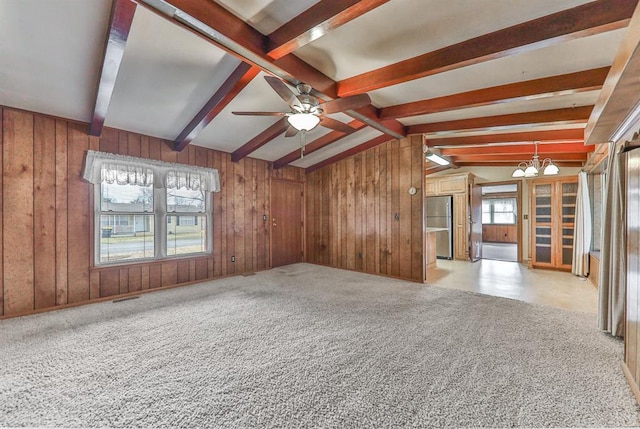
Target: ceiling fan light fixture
(303,121)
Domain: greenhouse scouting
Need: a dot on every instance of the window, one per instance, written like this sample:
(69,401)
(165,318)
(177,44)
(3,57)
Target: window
(148,210)
(499,211)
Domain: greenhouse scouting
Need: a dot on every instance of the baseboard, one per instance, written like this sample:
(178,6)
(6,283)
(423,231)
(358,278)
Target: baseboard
(631,381)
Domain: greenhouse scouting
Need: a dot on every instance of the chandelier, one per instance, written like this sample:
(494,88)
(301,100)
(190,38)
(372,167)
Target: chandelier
(533,167)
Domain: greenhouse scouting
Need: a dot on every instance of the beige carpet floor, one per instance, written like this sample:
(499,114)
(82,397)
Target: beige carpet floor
(310,346)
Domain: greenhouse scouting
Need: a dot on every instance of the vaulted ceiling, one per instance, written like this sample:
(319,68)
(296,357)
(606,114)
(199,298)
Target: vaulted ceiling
(481,80)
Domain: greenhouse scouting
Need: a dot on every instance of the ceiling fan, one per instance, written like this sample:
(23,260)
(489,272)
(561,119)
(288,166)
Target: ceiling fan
(307,111)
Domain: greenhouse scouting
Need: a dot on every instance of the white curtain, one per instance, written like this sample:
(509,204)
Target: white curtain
(120,169)
(613,262)
(582,229)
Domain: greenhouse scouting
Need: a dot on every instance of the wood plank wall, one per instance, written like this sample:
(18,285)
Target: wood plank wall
(500,233)
(46,215)
(351,207)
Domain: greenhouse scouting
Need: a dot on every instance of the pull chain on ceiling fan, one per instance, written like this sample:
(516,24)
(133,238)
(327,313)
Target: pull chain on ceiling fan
(307,112)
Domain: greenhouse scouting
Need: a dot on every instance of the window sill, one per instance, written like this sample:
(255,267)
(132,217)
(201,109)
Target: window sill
(104,267)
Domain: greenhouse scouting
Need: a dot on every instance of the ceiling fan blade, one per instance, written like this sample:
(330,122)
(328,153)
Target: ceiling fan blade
(283,90)
(336,125)
(260,113)
(291,131)
(346,103)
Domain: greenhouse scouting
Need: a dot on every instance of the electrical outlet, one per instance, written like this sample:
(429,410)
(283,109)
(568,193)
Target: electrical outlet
(264,218)
(233,259)
(359,255)
(396,216)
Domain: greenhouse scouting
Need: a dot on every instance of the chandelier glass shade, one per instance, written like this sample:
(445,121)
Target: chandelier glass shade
(532,168)
(303,121)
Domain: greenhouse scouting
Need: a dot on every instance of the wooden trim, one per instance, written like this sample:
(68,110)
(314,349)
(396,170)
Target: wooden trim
(587,80)
(581,21)
(572,115)
(99,268)
(575,135)
(315,22)
(510,163)
(232,86)
(632,383)
(519,149)
(483,157)
(122,12)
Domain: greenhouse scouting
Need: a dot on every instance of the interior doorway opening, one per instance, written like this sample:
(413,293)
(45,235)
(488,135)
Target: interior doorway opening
(501,225)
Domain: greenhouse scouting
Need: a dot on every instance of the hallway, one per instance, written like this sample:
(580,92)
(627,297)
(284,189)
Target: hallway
(513,280)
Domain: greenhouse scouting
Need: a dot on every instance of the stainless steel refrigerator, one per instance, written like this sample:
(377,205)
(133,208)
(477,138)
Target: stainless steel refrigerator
(439,214)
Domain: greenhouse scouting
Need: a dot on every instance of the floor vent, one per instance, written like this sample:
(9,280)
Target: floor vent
(248,274)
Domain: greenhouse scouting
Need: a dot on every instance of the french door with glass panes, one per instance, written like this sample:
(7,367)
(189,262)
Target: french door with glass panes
(553,208)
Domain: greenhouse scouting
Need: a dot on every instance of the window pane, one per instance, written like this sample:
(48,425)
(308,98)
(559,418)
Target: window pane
(504,218)
(126,237)
(126,198)
(486,217)
(185,200)
(186,234)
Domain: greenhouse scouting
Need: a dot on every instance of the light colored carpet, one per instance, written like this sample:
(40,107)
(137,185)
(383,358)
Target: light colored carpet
(309,346)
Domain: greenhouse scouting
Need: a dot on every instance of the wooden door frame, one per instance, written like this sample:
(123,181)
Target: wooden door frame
(304,217)
(519,231)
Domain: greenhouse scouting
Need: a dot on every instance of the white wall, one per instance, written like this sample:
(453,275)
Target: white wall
(503,174)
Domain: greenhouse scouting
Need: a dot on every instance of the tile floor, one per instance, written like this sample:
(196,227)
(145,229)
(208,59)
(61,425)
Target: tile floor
(514,280)
(500,251)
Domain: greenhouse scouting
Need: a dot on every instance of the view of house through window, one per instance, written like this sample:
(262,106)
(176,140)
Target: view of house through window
(138,222)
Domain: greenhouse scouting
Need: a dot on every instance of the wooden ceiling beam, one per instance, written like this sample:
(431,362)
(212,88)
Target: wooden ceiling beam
(122,12)
(260,140)
(572,115)
(236,82)
(521,157)
(243,41)
(315,145)
(315,22)
(581,21)
(510,164)
(349,152)
(615,110)
(582,81)
(564,135)
(523,149)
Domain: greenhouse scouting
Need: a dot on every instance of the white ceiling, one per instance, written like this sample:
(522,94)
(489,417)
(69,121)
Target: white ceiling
(52,51)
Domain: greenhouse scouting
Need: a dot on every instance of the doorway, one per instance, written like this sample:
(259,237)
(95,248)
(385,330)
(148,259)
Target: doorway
(286,222)
(501,225)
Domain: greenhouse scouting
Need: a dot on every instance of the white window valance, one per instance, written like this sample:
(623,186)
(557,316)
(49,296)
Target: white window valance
(111,168)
